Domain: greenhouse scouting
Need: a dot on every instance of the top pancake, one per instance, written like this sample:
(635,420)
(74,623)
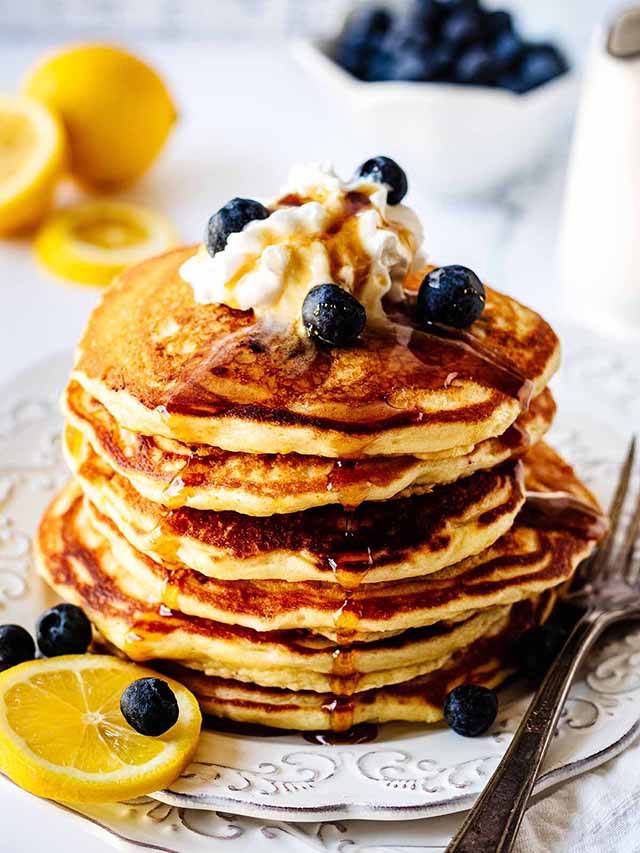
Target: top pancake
(164,365)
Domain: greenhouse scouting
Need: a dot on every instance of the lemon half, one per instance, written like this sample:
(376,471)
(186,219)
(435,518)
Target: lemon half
(63,736)
(92,242)
(32,159)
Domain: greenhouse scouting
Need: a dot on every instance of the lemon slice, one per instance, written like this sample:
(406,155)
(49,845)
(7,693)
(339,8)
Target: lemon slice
(94,241)
(32,159)
(62,735)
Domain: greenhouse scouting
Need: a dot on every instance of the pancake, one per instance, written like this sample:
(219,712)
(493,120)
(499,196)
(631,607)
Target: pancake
(540,552)
(377,541)
(487,661)
(165,365)
(175,474)
(81,565)
(522,563)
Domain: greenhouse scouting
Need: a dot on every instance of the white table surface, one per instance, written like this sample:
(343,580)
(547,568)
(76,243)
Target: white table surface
(247,113)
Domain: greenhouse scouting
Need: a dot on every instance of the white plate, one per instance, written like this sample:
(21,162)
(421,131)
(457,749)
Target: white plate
(409,771)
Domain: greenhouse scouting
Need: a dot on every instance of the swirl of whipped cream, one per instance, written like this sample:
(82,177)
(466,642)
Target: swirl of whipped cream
(322,229)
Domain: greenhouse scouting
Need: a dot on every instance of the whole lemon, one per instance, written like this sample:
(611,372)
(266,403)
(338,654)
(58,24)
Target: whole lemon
(116,109)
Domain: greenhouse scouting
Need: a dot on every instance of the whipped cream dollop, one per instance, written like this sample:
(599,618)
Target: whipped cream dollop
(321,229)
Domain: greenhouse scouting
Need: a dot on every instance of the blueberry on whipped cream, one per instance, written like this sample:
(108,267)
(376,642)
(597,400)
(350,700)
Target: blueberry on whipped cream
(453,296)
(319,228)
(384,170)
(332,315)
(231,218)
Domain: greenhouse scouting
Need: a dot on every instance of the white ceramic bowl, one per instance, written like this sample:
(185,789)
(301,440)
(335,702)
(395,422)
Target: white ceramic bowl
(456,140)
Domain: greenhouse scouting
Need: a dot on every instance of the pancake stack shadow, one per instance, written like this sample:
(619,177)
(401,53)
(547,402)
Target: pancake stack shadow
(311,539)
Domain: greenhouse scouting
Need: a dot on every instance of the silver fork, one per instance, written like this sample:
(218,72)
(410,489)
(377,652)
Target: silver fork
(608,589)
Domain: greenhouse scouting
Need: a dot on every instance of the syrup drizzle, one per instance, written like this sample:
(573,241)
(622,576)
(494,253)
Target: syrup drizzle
(564,511)
(361,733)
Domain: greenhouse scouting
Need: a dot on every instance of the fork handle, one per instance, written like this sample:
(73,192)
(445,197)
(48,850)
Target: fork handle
(492,824)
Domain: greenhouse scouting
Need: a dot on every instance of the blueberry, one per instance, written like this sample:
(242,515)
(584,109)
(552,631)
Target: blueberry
(512,81)
(452,295)
(384,170)
(540,64)
(413,67)
(150,706)
(379,66)
(433,64)
(16,646)
(457,5)
(538,648)
(463,27)
(231,218)
(361,34)
(470,709)
(506,50)
(475,65)
(498,22)
(439,61)
(403,38)
(424,15)
(63,630)
(332,315)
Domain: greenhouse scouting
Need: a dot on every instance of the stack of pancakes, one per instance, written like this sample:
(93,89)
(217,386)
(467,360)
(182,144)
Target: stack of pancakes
(312,537)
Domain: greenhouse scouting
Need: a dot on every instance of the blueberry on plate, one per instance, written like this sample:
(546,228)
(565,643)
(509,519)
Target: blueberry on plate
(506,50)
(470,709)
(332,315)
(453,296)
(475,65)
(538,648)
(463,27)
(150,706)
(63,630)
(232,217)
(16,646)
(384,170)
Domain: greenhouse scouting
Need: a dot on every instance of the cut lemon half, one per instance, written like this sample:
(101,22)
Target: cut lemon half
(32,159)
(92,242)
(63,736)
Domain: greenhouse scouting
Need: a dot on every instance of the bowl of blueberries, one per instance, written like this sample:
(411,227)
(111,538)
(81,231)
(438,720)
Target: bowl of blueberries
(450,87)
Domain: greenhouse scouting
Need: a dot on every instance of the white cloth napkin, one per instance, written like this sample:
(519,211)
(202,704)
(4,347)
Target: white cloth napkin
(598,812)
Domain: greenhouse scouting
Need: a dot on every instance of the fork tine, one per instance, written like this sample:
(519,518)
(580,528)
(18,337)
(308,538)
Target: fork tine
(628,552)
(601,559)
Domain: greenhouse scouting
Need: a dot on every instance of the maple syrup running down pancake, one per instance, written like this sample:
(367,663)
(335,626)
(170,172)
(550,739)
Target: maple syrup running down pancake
(175,474)
(165,365)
